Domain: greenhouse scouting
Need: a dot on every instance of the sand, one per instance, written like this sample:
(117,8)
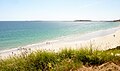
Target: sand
(100,43)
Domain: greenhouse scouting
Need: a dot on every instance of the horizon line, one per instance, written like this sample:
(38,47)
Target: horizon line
(61,20)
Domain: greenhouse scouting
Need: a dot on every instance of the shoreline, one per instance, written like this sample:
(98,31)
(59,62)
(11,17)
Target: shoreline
(86,40)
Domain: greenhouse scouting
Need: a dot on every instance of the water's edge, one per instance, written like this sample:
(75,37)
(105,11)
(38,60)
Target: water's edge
(73,38)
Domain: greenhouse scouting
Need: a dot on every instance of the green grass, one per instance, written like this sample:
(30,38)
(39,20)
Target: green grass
(62,61)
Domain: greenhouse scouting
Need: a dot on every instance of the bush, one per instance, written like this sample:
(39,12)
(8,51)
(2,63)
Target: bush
(60,61)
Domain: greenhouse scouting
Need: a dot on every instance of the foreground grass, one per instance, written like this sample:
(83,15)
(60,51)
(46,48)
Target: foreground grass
(62,61)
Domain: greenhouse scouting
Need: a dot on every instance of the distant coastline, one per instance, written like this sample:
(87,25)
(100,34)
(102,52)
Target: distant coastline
(78,20)
(96,21)
(116,20)
(82,20)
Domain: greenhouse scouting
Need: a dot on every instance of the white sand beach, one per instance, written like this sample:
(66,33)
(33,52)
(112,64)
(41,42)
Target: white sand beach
(103,42)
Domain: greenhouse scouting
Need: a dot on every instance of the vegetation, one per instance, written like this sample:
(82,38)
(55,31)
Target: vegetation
(62,61)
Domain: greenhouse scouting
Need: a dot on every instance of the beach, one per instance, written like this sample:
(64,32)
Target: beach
(59,35)
(104,41)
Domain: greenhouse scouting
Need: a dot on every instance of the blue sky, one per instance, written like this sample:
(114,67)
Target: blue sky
(59,9)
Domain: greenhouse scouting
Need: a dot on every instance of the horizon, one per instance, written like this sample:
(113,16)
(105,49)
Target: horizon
(63,20)
(59,10)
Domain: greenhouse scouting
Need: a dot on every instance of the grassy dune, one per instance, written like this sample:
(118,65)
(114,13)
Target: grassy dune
(62,61)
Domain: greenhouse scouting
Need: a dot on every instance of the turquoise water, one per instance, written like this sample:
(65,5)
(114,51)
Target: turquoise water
(19,33)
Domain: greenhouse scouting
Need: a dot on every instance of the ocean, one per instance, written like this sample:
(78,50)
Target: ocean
(20,33)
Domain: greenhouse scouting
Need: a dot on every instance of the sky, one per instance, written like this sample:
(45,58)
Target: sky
(60,10)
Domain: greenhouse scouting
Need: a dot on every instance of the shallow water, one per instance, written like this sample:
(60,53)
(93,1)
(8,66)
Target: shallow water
(19,33)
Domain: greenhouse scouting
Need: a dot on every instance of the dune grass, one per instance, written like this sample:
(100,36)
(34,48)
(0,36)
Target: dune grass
(64,60)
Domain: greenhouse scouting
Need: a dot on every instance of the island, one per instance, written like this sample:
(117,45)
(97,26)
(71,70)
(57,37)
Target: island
(116,20)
